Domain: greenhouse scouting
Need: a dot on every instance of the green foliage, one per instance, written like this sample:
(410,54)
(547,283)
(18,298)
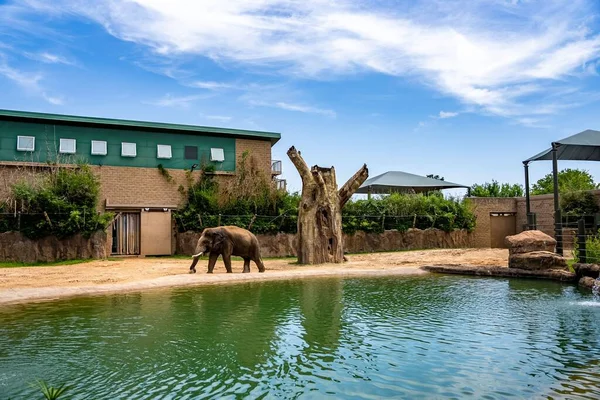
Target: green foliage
(404,211)
(592,249)
(578,203)
(495,189)
(249,194)
(60,203)
(569,180)
(51,393)
(164,173)
(251,201)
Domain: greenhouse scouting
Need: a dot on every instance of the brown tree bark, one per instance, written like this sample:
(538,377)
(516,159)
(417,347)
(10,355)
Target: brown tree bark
(320,237)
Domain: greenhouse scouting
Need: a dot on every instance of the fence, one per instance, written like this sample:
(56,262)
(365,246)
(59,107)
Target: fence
(350,223)
(39,224)
(42,224)
(577,236)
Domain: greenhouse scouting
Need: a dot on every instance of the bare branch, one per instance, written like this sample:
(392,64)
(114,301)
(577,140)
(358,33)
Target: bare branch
(299,163)
(353,184)
(318,177)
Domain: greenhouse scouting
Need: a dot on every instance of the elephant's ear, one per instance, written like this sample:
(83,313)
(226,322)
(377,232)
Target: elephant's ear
(219,238)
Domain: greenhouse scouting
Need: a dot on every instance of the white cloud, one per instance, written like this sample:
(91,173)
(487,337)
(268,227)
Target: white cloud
(447,114)
(220,118)
(495,56)
(295,107)
(210,85)
(169,100)
(49,58)
(31,82)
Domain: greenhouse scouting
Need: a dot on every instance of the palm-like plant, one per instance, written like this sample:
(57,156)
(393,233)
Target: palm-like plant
(51,393)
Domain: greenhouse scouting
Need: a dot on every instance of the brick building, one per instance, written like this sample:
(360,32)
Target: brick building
(125,155)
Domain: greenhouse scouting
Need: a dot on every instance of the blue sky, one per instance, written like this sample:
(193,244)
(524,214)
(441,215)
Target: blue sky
(463,89)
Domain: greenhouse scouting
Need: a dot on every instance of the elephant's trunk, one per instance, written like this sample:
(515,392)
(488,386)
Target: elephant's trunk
(193,266)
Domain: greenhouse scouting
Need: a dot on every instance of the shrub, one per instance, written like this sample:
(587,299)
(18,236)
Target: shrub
(60,203)
(251,201)
(578,203)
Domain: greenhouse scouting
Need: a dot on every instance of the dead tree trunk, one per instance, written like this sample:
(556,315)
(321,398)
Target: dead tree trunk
(320,214)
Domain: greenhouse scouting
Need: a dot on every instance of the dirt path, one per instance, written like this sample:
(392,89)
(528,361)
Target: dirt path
(130,274)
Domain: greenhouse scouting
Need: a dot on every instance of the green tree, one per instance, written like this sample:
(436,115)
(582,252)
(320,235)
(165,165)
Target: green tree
(495,189)
(569,180)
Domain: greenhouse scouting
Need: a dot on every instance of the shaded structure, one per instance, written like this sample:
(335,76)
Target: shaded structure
(403,182)
(583,146)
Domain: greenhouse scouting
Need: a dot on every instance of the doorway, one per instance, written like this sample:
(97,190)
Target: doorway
(126,234)
(501,226)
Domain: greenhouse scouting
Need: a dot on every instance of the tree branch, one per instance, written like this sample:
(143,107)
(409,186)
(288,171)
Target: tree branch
(299,163)
(318,177)
(353,184)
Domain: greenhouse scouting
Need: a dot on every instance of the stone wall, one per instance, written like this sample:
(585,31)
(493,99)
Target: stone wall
(482,207)
(14,247)
(284,244)
(542,205)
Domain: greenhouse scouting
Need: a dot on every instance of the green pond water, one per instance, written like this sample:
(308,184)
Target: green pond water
(418,337)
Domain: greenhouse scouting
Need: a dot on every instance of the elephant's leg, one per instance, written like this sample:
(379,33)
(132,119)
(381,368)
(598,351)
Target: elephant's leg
(227,261)
(246,265)
(212,260)
(259,264)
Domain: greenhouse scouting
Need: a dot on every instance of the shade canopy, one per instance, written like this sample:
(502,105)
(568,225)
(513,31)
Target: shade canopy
(398,181)
(583,146)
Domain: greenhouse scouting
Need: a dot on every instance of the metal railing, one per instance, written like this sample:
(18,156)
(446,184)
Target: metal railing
(276,167)
(577,237)
(281,184)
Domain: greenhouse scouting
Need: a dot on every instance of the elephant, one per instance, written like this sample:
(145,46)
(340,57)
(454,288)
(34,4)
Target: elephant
(228,241)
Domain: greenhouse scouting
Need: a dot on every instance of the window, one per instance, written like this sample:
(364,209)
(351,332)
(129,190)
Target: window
(163,151)
(99,147)
(67,146)
(217,155)
(191,152)
(25,143)
(128,149)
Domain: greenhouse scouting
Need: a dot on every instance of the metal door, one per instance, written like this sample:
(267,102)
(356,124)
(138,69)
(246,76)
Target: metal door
(501,226)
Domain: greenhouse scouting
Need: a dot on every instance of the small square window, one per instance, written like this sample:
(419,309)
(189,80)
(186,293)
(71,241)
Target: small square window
(99,147)
(217,155)
(163,151)
(128,149)
(67,146)
(25,143)
(191,152)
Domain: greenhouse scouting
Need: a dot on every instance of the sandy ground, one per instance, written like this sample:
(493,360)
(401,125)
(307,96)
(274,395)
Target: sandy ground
(133,274)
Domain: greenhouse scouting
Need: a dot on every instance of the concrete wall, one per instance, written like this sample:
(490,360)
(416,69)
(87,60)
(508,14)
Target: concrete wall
(284,244)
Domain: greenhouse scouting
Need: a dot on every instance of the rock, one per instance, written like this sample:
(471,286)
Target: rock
(537,260)
(528,241)
(14,246)
(587,282)
(591,270)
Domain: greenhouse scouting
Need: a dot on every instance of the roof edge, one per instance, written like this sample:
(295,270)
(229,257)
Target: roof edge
(274,137)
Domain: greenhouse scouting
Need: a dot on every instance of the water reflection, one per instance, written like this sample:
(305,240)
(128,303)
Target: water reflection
(441,337)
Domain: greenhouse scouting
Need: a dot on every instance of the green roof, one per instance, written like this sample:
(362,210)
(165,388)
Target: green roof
(141,125)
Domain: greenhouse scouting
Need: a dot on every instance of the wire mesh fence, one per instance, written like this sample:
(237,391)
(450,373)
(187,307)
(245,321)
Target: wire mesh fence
(285,222)
(577,236)
(350,223)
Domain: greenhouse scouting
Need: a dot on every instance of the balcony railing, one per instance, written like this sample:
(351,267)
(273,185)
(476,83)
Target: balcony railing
(281,184)
(275,167)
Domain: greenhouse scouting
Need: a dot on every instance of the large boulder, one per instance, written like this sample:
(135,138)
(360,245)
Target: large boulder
(537,260)
(528,241)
